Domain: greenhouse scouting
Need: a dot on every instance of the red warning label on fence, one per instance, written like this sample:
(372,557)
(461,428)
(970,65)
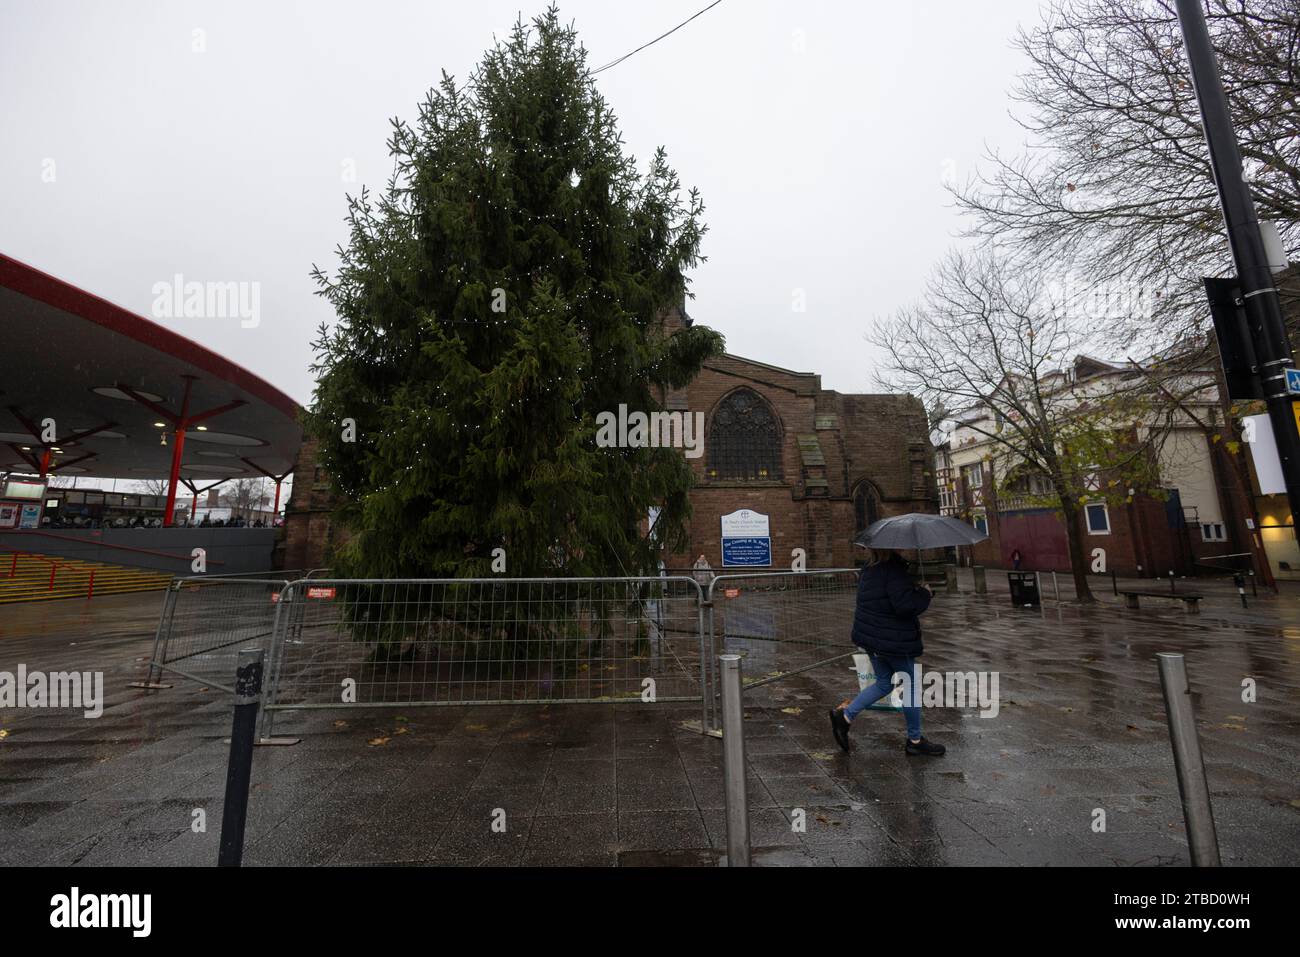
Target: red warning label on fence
(275,596)
(321,592)
(731,592)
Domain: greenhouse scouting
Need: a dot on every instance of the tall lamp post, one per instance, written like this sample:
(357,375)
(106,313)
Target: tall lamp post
(1258,294)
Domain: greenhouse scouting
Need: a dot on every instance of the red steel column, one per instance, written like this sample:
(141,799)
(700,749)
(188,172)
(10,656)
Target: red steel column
(175,477)
(275,509)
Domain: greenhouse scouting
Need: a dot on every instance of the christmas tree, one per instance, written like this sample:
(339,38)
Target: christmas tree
(505,288)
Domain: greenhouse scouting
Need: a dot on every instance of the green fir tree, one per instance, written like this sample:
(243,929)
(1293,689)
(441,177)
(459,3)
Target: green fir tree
(505,289)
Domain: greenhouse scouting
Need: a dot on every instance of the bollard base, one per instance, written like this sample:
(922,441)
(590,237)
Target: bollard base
(148,685)
(274,742)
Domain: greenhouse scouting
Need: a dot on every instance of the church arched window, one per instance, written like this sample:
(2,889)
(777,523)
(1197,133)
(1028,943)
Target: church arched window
(866,505)
(744,440)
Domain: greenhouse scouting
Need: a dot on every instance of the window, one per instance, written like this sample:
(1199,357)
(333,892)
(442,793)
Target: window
(744,440)
(980,522)
(1212,532)
(1098,518)
(972,478)
(1029,482)
(866,505)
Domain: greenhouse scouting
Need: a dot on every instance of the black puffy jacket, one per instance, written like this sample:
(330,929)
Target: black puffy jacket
(889,604)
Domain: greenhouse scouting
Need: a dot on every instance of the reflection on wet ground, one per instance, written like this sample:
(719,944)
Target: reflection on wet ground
(1080,730)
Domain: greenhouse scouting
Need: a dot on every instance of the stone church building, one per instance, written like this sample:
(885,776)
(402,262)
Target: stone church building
(820,465)
(817,465)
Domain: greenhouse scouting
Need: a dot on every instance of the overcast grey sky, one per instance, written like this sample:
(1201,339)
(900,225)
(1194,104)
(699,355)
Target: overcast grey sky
(820,134)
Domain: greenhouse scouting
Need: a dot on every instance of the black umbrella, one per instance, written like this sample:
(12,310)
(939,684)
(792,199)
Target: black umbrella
(919,530)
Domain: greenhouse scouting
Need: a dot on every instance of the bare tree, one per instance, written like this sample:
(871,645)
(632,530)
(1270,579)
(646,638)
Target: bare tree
(1115,186)
(154,486)
(244,495)
(994,342)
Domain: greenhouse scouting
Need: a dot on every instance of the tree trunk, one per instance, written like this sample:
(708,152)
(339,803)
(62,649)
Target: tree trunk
(1074,540)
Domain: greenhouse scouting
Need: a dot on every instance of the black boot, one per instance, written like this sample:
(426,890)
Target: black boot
(840,727)
(925,747)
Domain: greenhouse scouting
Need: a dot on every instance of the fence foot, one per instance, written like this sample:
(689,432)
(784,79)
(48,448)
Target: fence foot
(277,742)
(148,685)
(693,725)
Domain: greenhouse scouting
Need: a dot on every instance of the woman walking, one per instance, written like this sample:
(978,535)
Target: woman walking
(886,626)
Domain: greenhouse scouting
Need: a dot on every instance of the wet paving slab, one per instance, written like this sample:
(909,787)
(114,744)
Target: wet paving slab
(1074,769)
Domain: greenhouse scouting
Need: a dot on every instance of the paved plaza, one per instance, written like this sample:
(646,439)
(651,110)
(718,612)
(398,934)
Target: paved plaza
(1080,729)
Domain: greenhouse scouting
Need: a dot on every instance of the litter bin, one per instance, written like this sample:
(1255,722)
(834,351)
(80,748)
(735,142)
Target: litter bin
(1024,589)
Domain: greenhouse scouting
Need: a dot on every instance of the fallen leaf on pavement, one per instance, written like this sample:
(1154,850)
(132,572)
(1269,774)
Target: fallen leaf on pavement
(376,742)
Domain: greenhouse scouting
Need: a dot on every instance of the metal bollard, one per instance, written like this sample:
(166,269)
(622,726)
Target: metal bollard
(981,584)
(1240,582)
(234,813)
(1171,581)
(1188,763)
(1253,592)
(733,762)
(950,578)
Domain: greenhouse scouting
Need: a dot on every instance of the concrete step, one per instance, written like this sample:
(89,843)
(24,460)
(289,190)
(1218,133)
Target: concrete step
(30,579)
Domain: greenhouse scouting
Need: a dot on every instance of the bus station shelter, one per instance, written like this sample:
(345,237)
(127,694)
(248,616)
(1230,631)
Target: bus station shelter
(88,388)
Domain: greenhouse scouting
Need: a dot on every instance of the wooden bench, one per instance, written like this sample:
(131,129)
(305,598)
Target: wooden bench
(1193,602)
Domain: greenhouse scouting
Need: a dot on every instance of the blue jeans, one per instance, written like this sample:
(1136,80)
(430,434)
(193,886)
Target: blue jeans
(885,667)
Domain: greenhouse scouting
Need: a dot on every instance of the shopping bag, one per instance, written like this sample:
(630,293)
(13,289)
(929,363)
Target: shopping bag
(867,676)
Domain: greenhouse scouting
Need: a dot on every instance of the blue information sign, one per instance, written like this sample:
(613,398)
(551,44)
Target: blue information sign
(746,539)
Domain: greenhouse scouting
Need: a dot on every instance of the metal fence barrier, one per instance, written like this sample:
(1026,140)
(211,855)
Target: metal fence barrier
(386,643)
(206,620)
(335,643)
(783,623)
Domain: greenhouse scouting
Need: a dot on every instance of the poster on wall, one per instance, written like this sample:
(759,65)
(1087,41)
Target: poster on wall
(746,539)
(8,514)
(31,517)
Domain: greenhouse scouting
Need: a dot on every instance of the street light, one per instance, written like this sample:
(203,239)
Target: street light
(1256,295)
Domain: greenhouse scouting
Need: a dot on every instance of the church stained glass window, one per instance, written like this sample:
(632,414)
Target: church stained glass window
(744,440)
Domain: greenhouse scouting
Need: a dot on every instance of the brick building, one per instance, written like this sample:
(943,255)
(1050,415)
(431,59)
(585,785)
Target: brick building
(818,464)
(309,537)
(1194,520)
(821,465)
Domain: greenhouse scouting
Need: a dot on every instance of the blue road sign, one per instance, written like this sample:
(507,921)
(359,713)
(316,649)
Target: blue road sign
(1293,381)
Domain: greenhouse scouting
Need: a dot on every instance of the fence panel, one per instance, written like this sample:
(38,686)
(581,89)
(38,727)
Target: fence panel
(207,620)
(784,623)
(341,642)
